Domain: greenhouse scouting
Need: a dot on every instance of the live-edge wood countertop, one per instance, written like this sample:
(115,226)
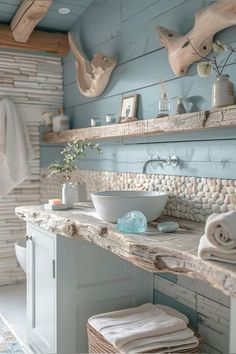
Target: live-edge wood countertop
(152,251)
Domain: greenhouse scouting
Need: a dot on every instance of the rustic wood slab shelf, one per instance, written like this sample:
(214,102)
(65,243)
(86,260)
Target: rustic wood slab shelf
(217,118)
(152,251)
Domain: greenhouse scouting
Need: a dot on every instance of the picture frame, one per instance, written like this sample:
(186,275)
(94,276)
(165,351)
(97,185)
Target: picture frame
(128,108)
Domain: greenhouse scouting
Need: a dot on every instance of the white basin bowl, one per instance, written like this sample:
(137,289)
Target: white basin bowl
(110,205)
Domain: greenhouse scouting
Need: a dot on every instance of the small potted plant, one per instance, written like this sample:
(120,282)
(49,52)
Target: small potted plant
(223,89)
(68,163)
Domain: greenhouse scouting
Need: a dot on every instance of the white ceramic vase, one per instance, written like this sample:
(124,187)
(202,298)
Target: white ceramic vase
(68,194)
(222,92)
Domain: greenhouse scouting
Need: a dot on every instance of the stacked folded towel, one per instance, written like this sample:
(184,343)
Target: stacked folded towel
(219,241)
(146,328)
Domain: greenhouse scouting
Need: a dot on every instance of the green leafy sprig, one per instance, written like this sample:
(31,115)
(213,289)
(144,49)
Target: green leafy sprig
(68,163)
(206,65)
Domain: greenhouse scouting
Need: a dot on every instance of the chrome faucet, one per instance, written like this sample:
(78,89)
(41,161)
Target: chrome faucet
(168,161)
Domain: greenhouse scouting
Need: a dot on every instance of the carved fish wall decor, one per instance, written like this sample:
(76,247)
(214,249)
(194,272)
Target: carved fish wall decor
(208,22)
(92,77)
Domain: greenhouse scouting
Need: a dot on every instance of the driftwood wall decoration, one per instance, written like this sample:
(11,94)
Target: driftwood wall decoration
(27,17)
(208,22)
(92,77)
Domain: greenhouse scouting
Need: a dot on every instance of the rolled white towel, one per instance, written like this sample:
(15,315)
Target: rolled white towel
(221,230)
(208,251)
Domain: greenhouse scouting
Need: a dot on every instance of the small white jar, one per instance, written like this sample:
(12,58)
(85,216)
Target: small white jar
(68,194)
(222,92)
(60,122)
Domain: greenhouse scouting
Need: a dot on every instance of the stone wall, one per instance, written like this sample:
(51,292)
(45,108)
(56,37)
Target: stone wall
(34,83)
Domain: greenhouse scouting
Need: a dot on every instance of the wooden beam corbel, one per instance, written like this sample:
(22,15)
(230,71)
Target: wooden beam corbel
(27,17)
(56,43)
(208,22)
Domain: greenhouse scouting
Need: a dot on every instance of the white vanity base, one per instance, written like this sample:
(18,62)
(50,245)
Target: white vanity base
(70,280)
(232,341)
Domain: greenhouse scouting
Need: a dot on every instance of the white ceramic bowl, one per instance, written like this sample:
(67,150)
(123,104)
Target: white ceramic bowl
(110,205)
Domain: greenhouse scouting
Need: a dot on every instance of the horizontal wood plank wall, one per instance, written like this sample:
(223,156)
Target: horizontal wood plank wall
(127,30)
(207,308)
(34,83)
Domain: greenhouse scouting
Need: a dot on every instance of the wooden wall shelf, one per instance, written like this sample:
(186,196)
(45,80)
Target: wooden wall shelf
(216,118)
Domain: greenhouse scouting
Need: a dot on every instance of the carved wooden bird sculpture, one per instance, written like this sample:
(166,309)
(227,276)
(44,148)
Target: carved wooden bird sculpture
(208,22)
(92,77)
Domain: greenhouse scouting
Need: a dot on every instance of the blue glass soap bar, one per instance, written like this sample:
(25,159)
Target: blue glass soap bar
(168,226)
(133,222)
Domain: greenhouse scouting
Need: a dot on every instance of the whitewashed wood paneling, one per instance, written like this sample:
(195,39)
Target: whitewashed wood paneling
(34,83)
(211,307)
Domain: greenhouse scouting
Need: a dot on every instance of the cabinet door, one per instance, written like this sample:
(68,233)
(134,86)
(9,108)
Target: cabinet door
(41,291)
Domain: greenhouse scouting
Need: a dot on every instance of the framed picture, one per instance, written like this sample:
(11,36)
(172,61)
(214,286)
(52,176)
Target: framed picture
(128,108)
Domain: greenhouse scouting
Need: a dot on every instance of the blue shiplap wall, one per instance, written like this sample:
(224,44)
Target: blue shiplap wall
(126,29)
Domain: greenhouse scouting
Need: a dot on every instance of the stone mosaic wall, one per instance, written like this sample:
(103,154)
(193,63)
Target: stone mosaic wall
(190,198)
(34,83)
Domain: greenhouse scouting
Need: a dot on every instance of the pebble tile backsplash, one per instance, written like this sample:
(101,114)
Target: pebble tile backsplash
(191,198)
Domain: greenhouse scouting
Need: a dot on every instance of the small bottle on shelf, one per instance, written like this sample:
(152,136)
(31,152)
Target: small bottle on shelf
(164,105)
(163,102)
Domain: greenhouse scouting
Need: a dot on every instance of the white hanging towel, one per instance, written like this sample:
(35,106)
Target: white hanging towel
(15,148)
(221,230)
(206,250)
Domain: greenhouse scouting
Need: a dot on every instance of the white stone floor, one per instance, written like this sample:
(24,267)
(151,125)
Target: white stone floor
(13,308)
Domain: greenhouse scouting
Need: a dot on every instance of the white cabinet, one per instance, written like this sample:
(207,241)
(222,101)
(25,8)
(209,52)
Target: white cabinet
(41,290)
(69,281)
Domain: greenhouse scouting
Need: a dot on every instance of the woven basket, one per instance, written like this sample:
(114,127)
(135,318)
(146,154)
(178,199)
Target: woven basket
(98,344)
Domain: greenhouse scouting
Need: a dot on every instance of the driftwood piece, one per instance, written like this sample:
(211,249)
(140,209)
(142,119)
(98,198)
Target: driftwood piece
(151,251)
(27,17)
(208,22)
(92,77)
(216,118)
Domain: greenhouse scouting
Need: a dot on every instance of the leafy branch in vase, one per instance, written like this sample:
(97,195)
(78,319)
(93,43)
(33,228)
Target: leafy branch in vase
(70,154)
(206,65)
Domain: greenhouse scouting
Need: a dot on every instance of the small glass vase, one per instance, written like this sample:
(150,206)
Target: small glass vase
(222,92)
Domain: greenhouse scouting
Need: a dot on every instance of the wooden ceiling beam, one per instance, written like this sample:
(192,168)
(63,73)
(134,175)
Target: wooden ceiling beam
(39,40)
(26,18)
